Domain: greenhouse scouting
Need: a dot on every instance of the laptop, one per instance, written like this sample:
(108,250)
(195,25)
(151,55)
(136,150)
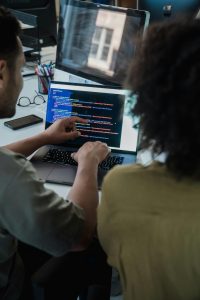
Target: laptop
(107,110)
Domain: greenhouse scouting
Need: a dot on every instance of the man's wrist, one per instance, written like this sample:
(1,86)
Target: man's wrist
(88,163)
(87,175)
(88,167)
(42,139)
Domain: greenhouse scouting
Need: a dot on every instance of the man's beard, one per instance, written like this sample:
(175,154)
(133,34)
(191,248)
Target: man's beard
(7,112)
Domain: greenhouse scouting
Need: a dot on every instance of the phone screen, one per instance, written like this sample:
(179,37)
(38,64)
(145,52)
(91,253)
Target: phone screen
(23,122)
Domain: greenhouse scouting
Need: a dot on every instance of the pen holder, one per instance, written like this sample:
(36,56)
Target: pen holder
(43,83)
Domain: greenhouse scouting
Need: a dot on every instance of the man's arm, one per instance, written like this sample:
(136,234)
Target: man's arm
(39,217)
(85,190)
(27,146)
(61,131)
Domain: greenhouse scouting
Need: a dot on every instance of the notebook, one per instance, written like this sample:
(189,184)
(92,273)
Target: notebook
(107,110)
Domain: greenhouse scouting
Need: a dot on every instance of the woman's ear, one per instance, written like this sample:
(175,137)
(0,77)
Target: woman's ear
(3,66)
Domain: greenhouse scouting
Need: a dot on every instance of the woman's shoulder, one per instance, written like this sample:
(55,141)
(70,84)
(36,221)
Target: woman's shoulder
(136,169)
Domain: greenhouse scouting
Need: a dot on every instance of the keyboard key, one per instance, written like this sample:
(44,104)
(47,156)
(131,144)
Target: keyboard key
(111,161)
(59,157)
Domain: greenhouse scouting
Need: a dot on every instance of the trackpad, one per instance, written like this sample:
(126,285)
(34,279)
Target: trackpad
(63,174)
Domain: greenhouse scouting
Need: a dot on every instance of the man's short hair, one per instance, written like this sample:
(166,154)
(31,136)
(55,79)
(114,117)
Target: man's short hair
(9,31)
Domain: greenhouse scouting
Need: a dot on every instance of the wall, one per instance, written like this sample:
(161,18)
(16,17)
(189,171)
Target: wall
(125,3)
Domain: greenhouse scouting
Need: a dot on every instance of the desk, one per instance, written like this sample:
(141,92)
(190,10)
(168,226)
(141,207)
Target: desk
(9,136)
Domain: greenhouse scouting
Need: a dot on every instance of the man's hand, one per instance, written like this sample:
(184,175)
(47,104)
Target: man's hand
(63,130)
(91,153)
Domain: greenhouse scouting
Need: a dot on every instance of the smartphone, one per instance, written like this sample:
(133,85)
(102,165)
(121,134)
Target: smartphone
(23,122)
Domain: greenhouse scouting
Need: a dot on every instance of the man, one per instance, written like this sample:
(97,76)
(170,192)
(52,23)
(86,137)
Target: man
(29,212)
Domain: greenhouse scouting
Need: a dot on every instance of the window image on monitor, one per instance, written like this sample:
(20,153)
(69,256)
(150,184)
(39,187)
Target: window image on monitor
(168,9)
(97,41)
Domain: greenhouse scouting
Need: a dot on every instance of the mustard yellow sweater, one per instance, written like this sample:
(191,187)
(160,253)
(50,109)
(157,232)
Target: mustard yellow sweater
(149,226)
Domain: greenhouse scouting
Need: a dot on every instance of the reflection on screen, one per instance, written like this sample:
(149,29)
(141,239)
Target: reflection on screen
(97,41)
(107,113)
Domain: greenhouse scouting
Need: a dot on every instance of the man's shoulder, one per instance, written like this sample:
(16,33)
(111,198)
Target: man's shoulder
(12,163)
(8,157)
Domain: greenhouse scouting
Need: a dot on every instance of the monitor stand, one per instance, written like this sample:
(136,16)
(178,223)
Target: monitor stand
(63,76)
(77,79)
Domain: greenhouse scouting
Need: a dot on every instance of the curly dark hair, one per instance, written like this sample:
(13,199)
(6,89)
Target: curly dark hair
(9,30)
(165,75)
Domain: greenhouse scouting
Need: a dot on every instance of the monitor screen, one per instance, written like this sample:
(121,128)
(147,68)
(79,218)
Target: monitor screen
(97,41)
(167,9)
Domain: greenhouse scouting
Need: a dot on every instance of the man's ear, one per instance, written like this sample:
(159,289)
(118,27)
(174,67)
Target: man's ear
(3,66)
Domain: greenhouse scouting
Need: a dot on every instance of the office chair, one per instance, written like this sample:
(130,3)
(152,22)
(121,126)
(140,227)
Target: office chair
(45,273)
(42,276)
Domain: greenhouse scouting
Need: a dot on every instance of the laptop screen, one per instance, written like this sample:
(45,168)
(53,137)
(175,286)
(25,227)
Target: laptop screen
(107,110)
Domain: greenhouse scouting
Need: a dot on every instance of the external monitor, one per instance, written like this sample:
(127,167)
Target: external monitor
(198,15)
(97,42)
(168,9)
(46,13)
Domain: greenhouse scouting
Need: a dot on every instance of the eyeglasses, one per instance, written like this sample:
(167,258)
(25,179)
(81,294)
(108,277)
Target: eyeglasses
(136,126)
(26,101)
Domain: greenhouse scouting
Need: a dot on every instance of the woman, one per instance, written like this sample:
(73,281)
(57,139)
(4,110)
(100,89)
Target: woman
(149,217)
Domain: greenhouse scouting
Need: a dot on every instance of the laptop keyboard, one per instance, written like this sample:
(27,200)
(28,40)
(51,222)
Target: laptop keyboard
(64,157)
(111,161)
(59,157)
